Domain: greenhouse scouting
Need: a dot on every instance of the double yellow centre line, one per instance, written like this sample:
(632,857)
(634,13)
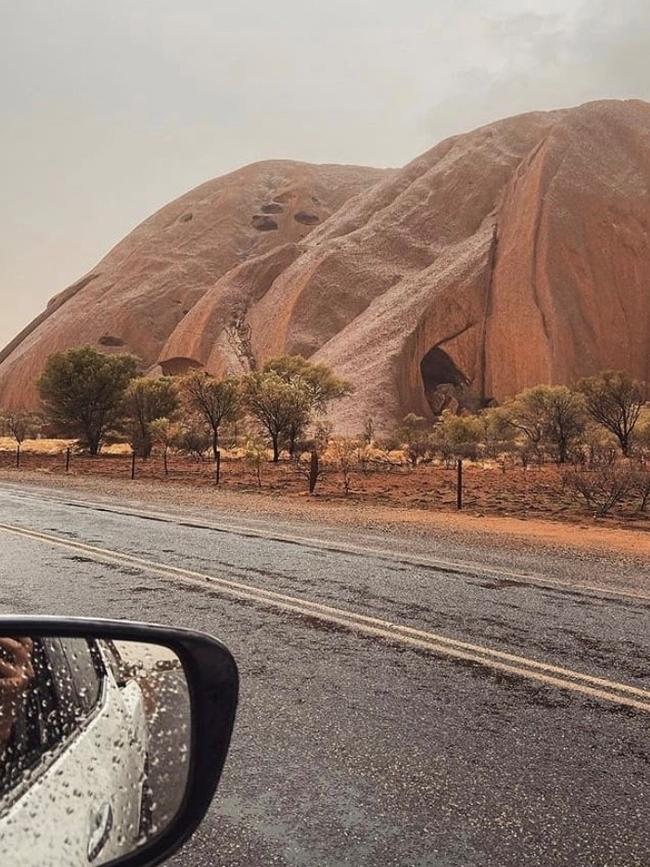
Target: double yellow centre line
(519,666)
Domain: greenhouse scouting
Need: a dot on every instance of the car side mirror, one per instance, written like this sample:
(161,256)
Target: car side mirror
(113,737)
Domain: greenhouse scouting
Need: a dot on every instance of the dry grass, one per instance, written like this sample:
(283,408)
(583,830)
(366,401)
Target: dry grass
(38,447)
(56,446)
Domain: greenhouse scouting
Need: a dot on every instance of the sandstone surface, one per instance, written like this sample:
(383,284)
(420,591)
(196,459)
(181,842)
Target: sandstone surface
(512,255)
(136,296)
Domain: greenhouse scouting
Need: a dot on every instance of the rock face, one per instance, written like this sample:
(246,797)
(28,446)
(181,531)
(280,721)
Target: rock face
(512,255)
(138,294)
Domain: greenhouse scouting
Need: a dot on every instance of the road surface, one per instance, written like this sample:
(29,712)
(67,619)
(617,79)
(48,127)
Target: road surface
(398,707)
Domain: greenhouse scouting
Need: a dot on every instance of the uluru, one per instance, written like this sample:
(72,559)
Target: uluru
(512,255)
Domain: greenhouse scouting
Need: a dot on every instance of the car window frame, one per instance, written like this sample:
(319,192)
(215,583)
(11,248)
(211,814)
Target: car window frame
(98,666)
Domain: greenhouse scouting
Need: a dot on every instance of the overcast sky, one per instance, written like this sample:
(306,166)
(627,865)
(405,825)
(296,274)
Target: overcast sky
(112,109)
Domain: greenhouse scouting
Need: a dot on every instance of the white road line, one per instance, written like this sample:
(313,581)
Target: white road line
(521,666)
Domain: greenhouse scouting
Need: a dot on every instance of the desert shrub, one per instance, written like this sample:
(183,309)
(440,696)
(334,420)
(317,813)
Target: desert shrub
(641,442)
(498,436)
(232,434)
(20,424)
(322,434)
(383,455)
(343,454)
(390,442)
(193,438)
(165,435)
(549,418)
(255,455)
(527,453)
(640,487)
(599,447)
(614,399)
(413,437)
(505,461)
(365,454)
(601,489)
(368,432)
(456,436)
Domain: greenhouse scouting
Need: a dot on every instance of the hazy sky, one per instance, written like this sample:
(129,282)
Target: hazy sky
(112,109)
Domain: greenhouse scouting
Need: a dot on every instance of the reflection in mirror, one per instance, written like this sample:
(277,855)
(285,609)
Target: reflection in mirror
(94,747)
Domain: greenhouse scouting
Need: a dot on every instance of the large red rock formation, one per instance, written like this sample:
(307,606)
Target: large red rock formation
(137,295)
(515,254)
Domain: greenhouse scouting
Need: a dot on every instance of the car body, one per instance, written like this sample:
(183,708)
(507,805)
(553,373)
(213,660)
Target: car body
(81,725)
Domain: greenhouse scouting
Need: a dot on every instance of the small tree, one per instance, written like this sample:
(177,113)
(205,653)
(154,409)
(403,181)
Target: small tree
(21,425)
(344,455)
(281,408)
(165,434)
(318,385)
(82,391)
(145,401)
(614,400)
(549,416)
(642,436)
(216,401)
(368,434)
(414,437)
(497,435)
(255,455)
(457,436)
(600,446)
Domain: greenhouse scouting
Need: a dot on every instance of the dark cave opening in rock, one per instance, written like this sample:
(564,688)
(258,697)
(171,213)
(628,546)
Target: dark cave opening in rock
(443,382)
(179,366)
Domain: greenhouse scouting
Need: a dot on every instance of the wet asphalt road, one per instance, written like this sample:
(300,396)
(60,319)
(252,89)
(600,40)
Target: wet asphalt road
(349,750)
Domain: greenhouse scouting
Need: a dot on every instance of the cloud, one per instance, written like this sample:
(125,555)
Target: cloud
(541,60)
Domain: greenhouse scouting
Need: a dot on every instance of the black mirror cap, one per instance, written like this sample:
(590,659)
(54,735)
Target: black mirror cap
(213,683)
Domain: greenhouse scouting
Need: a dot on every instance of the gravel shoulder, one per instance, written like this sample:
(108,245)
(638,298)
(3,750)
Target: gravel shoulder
(414,526)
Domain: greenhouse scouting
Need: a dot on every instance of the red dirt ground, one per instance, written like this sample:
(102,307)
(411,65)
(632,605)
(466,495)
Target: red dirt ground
(534,493)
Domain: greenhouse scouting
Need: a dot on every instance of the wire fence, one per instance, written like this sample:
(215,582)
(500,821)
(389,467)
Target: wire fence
(472,487)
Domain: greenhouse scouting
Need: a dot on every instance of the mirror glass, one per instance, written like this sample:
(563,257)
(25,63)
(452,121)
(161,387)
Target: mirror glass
(94,747)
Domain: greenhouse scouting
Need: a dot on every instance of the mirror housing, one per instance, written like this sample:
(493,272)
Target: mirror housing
(212,682)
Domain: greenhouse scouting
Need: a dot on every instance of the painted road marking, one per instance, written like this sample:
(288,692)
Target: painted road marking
(453,567)
(521,666)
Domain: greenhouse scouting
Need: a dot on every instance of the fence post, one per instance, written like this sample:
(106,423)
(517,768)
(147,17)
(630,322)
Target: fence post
(132,465)
(459,484)
(313,471)
(217,466)
(18,455)
(67,460)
